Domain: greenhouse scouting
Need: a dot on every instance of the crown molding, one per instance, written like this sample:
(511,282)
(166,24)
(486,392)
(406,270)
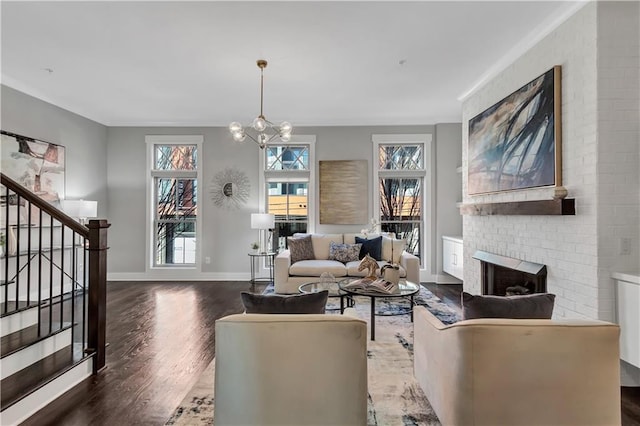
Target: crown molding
(517,51)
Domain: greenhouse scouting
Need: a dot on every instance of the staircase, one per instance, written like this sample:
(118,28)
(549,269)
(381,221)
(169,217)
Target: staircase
(52,301)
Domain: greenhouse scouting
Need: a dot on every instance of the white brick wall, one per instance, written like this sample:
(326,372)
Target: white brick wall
(598,174)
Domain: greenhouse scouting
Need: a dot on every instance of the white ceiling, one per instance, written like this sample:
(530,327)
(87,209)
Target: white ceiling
(330,63)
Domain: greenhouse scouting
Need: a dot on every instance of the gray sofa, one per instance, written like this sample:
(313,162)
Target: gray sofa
(288,277)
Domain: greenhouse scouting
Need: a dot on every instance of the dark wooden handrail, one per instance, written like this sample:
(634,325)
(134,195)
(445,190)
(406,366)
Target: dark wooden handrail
(96,235)
(46,207)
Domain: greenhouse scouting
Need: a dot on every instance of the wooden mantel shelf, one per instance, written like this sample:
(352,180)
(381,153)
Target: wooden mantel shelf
(566,206)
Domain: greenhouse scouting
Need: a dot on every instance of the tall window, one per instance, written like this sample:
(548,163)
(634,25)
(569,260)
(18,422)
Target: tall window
(174,200)
(287,178)
(400,175)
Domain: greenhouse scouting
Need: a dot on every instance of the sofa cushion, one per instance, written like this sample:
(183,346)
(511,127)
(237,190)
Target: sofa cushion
(315,268)
(321,243)
(371,247)
(387,251)
(351,238)
(307,303)
(530,306)
(352,269)
(300,248)
(344,252)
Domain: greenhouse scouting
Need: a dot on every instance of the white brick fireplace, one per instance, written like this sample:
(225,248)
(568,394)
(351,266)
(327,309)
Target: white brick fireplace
(599,53)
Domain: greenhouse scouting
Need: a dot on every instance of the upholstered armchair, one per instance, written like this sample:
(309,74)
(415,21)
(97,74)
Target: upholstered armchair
(290,369)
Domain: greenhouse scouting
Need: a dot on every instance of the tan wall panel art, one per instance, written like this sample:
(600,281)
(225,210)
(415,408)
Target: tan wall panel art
(344,192)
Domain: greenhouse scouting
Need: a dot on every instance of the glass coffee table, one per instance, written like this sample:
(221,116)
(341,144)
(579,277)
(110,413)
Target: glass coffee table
(406,289)
(334,291)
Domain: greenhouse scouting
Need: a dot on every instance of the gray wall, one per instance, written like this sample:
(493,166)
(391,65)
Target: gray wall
(448,190)
(227,234)
(85,142)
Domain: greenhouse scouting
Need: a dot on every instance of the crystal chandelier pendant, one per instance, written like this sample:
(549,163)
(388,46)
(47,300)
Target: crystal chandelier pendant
(265,131)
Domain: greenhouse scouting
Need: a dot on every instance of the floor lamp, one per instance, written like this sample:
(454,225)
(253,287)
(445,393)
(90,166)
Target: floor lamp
(263,222)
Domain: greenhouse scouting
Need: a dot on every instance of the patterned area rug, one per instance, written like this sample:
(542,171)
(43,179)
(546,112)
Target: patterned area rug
(392,306)
(395,398)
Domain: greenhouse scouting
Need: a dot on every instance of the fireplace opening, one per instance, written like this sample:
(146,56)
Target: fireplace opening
(506,276)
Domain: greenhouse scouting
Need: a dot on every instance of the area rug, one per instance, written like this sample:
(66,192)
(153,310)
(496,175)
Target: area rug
(395,398)
(392,306)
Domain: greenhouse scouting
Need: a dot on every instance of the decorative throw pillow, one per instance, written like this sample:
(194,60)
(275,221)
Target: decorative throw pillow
(344,252)
(306,303)
(300,249)
(392,249)
(529,306)
(372,247)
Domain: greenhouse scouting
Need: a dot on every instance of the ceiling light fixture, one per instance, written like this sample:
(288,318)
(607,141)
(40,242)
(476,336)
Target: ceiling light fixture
(265,130)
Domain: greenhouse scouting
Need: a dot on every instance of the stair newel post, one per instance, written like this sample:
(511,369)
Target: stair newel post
(97,315)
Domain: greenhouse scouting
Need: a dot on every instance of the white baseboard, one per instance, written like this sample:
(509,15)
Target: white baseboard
(629,374)
(446,279)
(28,406)
(185,275)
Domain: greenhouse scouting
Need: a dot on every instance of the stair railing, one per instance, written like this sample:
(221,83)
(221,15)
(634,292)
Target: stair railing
(52,262)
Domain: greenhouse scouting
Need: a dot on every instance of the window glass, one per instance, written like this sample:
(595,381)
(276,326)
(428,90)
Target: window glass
(287,157)
(401,197)
(175,204)
(288,201)
(401,157)
(175,157)
(401,209)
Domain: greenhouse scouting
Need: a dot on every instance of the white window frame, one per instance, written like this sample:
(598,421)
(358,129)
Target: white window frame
(427,174)
(291,176)
(152,141)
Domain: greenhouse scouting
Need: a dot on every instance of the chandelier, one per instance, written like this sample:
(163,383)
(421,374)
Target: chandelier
(265,131)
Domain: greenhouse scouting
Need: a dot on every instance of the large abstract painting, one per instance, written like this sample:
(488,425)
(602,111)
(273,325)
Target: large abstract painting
(344,192)
(37,165)
(516,144)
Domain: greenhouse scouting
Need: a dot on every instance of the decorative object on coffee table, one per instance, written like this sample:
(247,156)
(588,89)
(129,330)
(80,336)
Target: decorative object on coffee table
(369,263)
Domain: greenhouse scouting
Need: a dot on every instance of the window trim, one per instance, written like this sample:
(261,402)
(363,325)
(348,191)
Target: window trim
(428,175)
(291,176)
(152,141)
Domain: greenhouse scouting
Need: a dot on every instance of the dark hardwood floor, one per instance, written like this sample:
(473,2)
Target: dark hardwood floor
(161,338)
(450,294)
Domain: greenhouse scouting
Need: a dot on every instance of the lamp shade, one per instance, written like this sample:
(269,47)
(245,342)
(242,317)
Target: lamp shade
(262,221)
(80,208)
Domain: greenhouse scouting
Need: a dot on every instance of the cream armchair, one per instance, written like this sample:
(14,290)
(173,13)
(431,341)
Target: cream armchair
(291,369)
(518,372)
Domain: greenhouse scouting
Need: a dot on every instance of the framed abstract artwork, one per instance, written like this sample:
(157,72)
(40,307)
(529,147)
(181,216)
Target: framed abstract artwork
(37,165)
(516,144)
(344,192)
